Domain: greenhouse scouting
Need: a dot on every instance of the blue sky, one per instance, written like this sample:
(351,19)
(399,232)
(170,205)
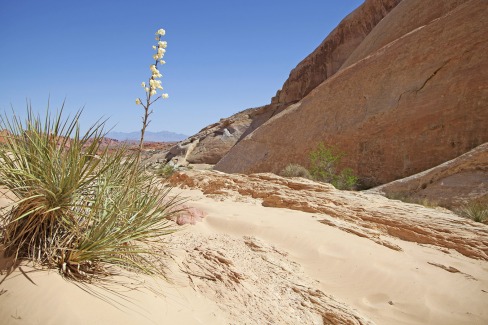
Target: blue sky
(222,56)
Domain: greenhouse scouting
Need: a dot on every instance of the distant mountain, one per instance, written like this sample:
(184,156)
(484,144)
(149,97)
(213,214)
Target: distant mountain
(162,136)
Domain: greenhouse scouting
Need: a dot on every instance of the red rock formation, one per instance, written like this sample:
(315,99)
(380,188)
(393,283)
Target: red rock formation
(451,184)
(405,17)
(4,134)
(413,104)
(329,56)
(210,144)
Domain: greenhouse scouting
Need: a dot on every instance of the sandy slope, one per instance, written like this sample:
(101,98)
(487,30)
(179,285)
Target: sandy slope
(249,264)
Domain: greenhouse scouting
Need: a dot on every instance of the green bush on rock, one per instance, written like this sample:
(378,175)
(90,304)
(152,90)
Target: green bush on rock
(323,167)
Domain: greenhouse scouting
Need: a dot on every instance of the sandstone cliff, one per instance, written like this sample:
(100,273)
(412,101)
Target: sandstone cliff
(329,56)
(210,144)
(407,106)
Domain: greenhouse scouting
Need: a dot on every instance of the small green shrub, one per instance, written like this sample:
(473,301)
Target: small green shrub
(323,161)
(295,170)
(476,210)
(323,167)
(346,180)
(166,170)
(79,208)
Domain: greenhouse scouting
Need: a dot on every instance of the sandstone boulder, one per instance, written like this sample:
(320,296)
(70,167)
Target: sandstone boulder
(212,142)
(451,184)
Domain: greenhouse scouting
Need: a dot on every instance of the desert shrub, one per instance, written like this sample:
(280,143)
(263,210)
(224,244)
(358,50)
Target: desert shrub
(323,167)
(295,170)
(79,208)
(166,170)
(476,210)
(346,179)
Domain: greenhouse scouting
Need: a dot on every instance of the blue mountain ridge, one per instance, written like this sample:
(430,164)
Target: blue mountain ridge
(161,136)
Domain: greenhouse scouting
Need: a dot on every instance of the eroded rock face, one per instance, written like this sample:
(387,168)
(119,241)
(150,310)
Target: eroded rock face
(413,104)
(330,55)
(450,184)
(210,144)
(366,215)
(407,16)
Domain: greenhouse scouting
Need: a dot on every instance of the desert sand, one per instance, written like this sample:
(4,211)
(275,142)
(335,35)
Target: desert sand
(244,263)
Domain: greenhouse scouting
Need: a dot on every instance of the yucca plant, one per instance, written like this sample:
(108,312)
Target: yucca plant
(79,207)
(476,210)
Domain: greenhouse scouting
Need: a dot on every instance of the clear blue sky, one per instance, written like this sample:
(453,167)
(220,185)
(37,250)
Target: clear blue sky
(223,56)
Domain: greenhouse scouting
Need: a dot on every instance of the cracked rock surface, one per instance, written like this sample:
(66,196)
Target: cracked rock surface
(366,215)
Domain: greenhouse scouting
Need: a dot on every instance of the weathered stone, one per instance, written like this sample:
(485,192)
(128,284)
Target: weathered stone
(333,51)
(212,142)
(451,184)
(407,16)
(363,214)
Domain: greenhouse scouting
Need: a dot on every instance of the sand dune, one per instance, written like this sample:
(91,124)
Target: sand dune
(249,264)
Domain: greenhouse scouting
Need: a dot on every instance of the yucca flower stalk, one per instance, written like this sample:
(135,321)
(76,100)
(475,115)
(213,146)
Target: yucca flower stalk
(153,85)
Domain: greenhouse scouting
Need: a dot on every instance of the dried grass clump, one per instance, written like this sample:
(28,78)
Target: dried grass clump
(79,208)
(295,170)
(476,210)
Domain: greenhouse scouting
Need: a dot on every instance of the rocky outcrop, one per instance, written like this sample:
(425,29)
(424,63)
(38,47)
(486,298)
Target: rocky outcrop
(4,134)
(330,55)
(210,144)
(451,184)
(213,142)
(363,214)
(405,17)
(413,104)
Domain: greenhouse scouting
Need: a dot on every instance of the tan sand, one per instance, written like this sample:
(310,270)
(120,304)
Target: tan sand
(248,264)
